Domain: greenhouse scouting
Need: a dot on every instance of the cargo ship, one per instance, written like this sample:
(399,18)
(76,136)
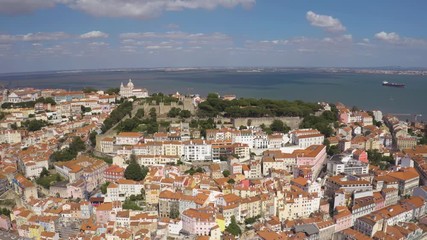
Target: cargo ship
(389,84)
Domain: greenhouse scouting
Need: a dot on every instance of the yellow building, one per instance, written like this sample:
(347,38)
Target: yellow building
(35,231)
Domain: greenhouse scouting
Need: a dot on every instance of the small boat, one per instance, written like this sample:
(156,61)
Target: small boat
(389,84)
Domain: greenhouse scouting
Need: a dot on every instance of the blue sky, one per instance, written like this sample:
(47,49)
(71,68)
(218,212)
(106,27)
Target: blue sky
(38,35)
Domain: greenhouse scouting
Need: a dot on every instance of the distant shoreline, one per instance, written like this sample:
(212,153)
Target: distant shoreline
(379,70)
(362,89)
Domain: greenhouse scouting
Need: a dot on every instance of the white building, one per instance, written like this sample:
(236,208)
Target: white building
(346,164)
(32,169)
(378,115)
(197,150)
(107,145)
(306,137)
(130,91)
(305,141)
(122,189)
(150,160)
(297,204)
(128,138)
(10,136)
(245,137)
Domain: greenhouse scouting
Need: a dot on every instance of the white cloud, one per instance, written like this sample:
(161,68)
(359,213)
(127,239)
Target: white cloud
(34,37)
(388,37)
(396,39)
(120,8)
(99,44)
(94,34)
(325,22)
(43,36)
(158,47)
(176,35)
(13,7)
(149,8)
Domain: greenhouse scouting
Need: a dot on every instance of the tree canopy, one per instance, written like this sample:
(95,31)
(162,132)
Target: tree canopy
(28,104)
(117,115)
(233,227)
(69,153)
(250,107)
(104,187)
(134,171)
(89,89)
(112,91)
(34,125)
(174,112)
(192,171)
(377,159)
(279,126)
(322,123)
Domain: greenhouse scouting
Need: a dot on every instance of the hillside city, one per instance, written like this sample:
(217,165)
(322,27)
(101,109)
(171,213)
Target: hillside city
(122,163)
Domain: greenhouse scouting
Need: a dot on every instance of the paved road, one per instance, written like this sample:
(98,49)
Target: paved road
(4,235)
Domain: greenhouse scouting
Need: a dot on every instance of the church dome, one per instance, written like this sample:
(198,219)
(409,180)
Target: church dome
(130,84)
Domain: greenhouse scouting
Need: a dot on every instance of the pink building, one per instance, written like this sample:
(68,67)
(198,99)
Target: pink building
(113,173)
(103,212)
(313,156)
(361,155)
(76,189)
(344,116)
(343,219)
(245,183)
(198,221)
(5,222)
(379,201)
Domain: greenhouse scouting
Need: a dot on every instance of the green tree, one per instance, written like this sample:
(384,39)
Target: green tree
(104,187)
(174,112)
(333,150)
(194,123)
(322,123)
(125,108)
(69,153)
(185,114)
(77,145)
(226,173)
(2,115)
(92,138)
(85,109)
(213,96)
(44,173)
(128,125)
(140,113)
(233,227)
(34,125)
(252,219)
(89,90)
(279,126)
(134,171)
(153,114)
(174,213)
(112,91)
(128,204)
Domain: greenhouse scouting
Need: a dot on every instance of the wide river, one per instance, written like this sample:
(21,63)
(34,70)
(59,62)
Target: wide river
(362,90)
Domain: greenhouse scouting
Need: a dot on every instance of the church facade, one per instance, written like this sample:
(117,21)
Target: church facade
(130,91)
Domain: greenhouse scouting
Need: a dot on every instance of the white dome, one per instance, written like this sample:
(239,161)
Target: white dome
(130,84)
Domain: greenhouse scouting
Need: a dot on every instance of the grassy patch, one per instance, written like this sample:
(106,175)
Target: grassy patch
(48,181)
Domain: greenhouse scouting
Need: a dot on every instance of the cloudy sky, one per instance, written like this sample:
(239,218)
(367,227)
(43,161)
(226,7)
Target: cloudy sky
(38,35)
